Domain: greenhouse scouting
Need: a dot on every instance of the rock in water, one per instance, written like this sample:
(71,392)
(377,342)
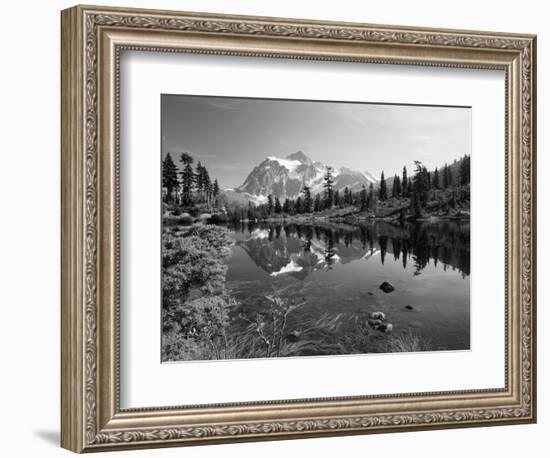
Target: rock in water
(375,324)
(387,287)
(377,316)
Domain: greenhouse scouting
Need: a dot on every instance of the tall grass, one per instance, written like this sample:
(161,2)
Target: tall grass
(407,341)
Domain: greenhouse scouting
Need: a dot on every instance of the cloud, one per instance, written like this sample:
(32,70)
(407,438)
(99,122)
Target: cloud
(225,104)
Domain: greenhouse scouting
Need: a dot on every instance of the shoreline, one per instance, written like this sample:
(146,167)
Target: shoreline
(354,219)
(309,219)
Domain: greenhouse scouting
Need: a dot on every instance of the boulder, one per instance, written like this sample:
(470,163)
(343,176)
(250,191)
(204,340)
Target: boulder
(377,316)
(387,328)
(375,323)
(409,307)
(387,287)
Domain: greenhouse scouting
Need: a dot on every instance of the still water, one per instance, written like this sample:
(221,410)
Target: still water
(335,270)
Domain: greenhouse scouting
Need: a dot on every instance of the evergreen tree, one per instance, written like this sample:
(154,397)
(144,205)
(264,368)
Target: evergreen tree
(207,184)
(202,181)
(421,187)
(346,196)
(169,177)
(447,177)
(317,203)
(298,205)
(405,183)
(396,188)
(382,191)
(270,206)
(186,158)
(435,180)
(427,178)
(286,206)
(329,188)
(363,197)
(465,170)
(307,202)
(416,209)
(199,185)
(370,197)
(278,207)
(216,188)
(337,201)
(187,179)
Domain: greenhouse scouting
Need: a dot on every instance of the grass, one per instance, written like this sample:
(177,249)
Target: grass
(406,342)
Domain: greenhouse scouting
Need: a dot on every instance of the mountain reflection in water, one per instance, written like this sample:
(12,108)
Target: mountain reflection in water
(338,268)
(302,249)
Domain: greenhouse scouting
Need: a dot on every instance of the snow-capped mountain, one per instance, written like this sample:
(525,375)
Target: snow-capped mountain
(286,177)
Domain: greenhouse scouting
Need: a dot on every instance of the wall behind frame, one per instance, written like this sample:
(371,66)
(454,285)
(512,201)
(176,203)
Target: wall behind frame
(29,233)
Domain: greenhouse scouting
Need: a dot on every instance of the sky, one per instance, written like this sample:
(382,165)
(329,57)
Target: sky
(230,136)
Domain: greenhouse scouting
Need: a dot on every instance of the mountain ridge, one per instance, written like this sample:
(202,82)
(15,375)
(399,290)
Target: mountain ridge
(287,176)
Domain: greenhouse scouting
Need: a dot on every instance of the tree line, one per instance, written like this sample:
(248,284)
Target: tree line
(306,202)
(187,186)
(416,188)
(423,180)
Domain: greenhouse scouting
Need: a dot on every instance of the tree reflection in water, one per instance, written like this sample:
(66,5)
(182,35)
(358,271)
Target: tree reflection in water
(272,246)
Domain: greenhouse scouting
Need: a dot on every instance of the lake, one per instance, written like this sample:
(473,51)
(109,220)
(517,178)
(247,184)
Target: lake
(334,272)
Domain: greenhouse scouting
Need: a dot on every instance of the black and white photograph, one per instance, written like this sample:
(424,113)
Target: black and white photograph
(295,228)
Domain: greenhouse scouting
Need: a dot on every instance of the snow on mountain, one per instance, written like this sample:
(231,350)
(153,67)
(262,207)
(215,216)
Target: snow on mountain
(370,177)
(290,165)
(286,177)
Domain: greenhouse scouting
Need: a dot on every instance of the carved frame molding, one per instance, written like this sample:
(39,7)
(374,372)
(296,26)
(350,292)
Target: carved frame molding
(92,39)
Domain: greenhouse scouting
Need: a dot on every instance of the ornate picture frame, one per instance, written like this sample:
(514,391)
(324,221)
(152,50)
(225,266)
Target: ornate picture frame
(92,41)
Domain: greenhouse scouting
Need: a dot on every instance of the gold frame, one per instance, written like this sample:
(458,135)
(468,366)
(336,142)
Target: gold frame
(92,39)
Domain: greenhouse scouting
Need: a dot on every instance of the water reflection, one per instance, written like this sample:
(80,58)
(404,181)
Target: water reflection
(300,249)
(336,271)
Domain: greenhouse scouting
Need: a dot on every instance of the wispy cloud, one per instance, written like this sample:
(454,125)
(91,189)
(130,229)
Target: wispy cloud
(225,104)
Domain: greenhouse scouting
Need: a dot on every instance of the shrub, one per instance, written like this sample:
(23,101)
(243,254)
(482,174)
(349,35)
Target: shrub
(200,332)
(193,260)
(194,211)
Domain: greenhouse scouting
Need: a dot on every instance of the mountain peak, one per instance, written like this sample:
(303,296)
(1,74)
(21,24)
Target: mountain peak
(299,156)
(286,177)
